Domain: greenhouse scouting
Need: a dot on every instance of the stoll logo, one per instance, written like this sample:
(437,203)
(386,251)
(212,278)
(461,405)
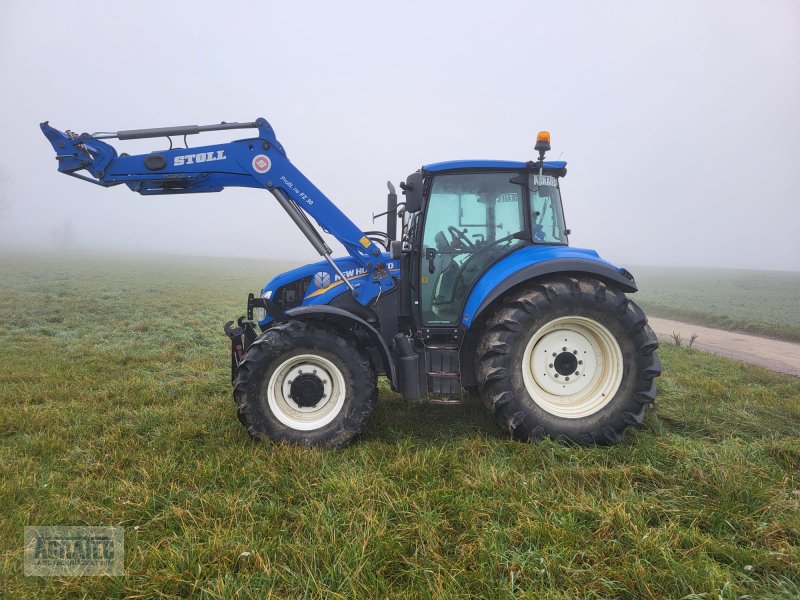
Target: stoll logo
(322,280)
(58,551)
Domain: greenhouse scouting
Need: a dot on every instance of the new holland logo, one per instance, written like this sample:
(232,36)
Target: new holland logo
(322,280)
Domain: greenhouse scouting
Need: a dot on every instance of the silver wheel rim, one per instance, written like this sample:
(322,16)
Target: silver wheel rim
(306,418)
(572,367)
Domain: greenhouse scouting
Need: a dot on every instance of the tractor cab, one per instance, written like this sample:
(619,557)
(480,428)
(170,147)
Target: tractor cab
(462,217)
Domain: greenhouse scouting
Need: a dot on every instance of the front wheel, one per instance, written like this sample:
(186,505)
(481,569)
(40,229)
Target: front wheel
(304,384)
(568,358)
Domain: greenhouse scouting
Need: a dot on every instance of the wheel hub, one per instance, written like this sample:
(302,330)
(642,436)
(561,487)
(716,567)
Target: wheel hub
(572,366)
(306,390)
(565,363)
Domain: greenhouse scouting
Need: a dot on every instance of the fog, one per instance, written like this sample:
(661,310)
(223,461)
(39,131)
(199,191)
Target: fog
(680,121)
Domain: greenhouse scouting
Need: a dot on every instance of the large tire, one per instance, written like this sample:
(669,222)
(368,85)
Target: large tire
(568,357)
(304,384)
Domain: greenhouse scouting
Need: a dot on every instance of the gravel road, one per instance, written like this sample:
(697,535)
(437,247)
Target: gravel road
(776,355)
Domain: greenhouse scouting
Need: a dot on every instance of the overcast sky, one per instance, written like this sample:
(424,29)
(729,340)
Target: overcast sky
(680,120)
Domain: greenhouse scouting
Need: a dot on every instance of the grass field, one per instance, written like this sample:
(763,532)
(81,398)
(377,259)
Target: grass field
(115,409)
(759,302)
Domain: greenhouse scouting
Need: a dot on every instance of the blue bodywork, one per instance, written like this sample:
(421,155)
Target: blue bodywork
(325,284)
(261,162)
(519,259)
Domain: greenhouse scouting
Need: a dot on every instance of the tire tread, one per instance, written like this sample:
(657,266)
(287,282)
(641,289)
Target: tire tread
(276,341)
(523,306)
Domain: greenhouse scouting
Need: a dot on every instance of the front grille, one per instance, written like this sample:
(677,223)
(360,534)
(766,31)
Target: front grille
(292,294)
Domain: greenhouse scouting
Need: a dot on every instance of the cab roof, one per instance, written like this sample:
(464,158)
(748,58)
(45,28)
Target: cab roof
(511,165)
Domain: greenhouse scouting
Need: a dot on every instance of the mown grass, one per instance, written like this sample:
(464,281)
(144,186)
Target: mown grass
(115,410)
(757,302)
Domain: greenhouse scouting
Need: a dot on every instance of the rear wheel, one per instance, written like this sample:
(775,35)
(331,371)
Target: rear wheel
(568,358)
(304,384)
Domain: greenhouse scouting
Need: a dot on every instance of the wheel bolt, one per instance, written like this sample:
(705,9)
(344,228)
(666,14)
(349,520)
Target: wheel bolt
(315,371)
(551,365)
(580,362)
(324,382)
(566,378)
(289,382)
(574,351)
(577,372)
(554,354)
(564,348)
(556,375)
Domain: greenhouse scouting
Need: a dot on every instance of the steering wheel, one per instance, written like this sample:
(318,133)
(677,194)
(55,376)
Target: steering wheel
(442,245)
(460,236)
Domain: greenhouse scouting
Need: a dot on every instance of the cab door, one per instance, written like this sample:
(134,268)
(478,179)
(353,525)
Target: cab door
(470,221)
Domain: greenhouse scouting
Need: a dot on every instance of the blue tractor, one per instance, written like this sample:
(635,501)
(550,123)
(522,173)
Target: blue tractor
(480,292)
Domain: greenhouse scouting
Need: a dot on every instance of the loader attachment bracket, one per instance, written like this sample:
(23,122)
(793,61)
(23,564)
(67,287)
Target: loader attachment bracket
(241,336)
(75,152)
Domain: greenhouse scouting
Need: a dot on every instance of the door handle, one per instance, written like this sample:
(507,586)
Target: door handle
(430,254)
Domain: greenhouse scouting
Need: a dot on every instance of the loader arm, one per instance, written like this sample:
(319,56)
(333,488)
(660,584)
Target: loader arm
(258,162)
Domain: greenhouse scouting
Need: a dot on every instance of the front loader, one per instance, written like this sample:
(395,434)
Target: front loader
(479,292)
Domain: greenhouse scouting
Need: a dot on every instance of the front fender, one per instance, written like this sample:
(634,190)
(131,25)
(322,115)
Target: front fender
(531,262)
(332,313)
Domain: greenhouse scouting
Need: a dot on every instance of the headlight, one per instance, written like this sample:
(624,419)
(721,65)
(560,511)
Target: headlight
(259,314)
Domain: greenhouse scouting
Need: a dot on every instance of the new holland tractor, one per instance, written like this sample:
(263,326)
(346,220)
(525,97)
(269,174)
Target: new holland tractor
(480,291)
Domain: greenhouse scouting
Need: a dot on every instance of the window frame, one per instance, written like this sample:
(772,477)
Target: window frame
(565,231)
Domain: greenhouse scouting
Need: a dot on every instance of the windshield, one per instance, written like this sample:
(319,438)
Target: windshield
(547,216)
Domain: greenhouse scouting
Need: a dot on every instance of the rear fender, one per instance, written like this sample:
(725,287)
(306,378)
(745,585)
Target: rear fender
(517,269)
(522,266)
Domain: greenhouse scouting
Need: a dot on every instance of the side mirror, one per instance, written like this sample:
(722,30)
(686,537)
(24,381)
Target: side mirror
(412,190)
(391,212)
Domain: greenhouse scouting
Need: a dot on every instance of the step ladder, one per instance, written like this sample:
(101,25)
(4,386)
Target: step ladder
(444,375)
